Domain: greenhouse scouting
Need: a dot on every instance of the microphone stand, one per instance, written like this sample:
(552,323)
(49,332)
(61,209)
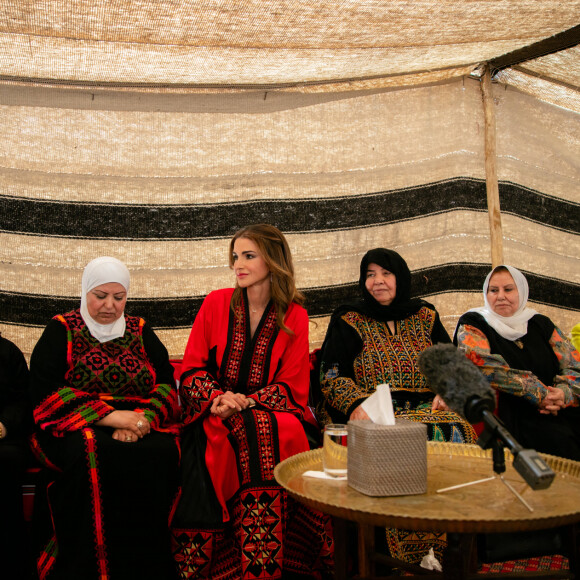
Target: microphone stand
(487,439)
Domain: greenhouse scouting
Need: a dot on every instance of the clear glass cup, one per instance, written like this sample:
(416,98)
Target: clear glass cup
(334,450)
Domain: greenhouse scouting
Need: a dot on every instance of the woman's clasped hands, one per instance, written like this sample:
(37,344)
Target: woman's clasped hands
(129,426)
(228,403)
(553,401)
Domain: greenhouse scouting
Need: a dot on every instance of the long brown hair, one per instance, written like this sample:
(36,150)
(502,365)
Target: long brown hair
(275,251)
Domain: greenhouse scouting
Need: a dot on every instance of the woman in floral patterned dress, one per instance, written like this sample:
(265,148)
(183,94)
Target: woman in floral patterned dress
(529,361)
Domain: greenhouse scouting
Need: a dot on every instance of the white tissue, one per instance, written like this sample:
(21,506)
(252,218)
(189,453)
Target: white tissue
(379,406)
(430,562)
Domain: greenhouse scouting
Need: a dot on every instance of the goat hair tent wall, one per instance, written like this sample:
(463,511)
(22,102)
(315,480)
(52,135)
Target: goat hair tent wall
(157,149)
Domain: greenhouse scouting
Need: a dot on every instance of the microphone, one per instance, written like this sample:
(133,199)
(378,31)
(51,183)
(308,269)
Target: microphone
(464,389)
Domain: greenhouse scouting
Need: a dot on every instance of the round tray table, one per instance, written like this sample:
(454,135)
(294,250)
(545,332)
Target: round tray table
(482,508)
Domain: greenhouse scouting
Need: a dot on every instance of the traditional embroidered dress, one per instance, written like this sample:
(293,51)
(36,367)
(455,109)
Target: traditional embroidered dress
(520,370)
(258,531)
(360,352)
(110,500)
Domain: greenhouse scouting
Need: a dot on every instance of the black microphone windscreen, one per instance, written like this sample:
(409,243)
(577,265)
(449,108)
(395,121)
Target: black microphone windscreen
(454,377)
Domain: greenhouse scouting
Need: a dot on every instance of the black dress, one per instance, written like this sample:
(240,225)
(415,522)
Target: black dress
(360,353)
(519,371)
(16,416)
(110,501)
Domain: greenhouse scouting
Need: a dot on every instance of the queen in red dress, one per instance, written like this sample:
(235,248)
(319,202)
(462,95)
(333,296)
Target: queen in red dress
(244,391)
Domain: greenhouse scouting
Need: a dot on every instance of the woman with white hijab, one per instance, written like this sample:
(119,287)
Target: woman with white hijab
(529,361)
(105,409)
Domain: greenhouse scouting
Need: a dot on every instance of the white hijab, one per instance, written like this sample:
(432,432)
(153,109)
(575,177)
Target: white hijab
(102,271)
(514,326)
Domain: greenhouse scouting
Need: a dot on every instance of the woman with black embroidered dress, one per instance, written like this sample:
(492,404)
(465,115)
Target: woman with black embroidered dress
(244,389)
(106,418)
(378,339)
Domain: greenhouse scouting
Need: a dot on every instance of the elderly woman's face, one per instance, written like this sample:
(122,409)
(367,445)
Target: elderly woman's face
(106,302)
(502,294)
(381,284)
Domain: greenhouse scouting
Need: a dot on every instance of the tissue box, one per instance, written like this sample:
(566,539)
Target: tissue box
(387,460)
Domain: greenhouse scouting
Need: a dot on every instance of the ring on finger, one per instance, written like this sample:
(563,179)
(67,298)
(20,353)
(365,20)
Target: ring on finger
(128,438)
(139,424)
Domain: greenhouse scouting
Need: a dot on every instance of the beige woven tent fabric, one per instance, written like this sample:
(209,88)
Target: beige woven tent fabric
(152,130)
(554,78)
(257,42)
(348,149)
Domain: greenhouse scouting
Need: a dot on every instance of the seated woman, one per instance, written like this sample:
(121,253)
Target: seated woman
(15,424)
(244,389)
(378,339)
(106,413)
(529,361)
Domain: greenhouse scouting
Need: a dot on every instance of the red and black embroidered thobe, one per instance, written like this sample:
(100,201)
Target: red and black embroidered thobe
(109,502)
(360,353)
(262,532)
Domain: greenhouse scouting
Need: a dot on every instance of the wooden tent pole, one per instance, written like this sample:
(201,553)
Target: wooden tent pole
(493,209)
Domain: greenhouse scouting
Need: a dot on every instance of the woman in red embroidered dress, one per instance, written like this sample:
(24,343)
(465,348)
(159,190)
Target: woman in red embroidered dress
(244,389)
(105,412)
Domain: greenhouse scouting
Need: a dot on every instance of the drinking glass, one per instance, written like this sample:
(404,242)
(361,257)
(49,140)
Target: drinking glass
(334,450)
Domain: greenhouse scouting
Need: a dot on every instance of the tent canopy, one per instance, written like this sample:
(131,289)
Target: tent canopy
(296,43)
(152,130)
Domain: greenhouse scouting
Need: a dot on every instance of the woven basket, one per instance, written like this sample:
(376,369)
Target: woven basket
(387,460)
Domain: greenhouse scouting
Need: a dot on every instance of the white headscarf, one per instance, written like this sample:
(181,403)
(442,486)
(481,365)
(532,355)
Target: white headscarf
(514,326)
(102,271)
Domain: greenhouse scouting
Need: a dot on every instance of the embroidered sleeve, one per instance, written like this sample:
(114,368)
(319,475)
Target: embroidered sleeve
(278,397)
(161,407)
(337,378)
(59,408)
(197,390)
(198,387)
(68,409)
(494,367)
(568,379)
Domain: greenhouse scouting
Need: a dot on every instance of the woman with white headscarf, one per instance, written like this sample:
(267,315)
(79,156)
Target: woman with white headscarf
(105,409)
(529,361)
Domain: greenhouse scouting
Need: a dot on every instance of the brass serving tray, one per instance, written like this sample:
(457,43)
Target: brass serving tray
(485,507)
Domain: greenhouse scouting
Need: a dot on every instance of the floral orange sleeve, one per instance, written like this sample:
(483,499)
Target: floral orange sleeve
(516,382)
(568,379)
